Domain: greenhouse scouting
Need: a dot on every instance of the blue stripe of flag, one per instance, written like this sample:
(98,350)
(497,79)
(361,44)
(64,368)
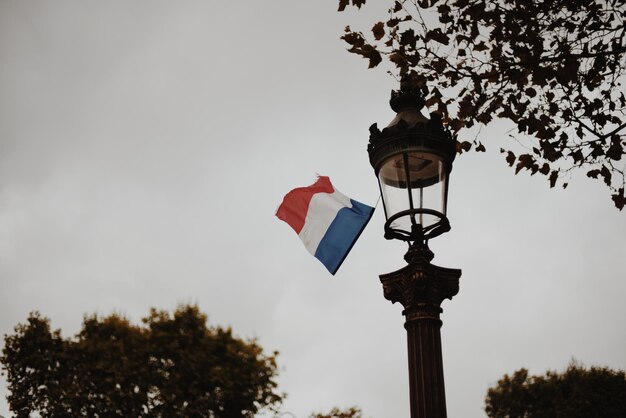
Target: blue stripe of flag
(342,233)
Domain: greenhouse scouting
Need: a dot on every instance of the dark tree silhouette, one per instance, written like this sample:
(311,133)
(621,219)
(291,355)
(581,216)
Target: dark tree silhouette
(172,366)
(576,393)
(352,412)
(554,68)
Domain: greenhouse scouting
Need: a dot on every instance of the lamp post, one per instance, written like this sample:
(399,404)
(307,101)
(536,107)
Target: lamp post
(412,158)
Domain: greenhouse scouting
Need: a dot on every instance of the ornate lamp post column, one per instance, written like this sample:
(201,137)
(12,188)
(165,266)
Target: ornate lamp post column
(412,158)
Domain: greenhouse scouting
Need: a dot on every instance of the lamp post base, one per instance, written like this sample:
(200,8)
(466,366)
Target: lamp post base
(421,287)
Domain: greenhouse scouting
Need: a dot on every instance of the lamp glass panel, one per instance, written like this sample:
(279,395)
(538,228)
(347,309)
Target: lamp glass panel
(424,185)
(397,200)
(431,197)
(392,179)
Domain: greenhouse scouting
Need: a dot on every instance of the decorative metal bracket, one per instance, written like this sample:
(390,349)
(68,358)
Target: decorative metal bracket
(420,286)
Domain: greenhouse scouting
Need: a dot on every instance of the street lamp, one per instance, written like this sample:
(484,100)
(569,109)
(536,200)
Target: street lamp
(412,158)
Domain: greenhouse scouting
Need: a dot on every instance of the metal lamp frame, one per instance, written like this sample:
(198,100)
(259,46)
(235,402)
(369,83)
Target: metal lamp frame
(428,137)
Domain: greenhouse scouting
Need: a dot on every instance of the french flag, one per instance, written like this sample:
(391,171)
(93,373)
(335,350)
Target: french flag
(327,222)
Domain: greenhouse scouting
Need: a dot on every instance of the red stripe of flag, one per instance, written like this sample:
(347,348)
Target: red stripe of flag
(295,204)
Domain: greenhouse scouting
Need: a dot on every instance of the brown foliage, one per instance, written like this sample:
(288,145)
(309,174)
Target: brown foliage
(554,68)
(339,413)
(172,366)
(575,393)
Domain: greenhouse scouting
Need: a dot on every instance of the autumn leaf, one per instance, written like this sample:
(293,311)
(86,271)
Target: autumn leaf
(593,174)
(439,64)
(616,150)
(524,161)
(438,36)
(553,178)
(378,30)
(407,38)
(606,174)
(392,23)
(578,156)
(353,38)
(398,59)
(619,199)
(463,146)
(444,13)
(481,46)
(344,3)
(369,52)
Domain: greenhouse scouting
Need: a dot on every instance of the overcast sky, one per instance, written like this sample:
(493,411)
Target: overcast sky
(145,146)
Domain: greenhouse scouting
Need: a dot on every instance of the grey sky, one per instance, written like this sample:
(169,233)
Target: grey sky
(145,145)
